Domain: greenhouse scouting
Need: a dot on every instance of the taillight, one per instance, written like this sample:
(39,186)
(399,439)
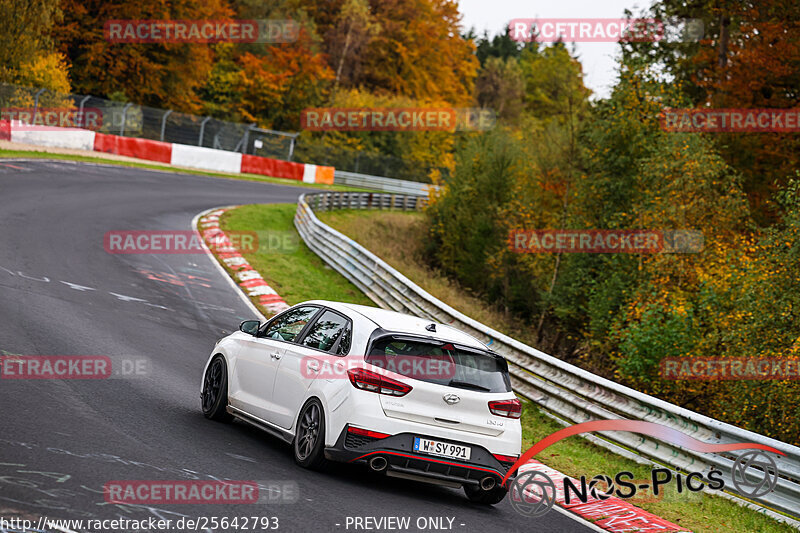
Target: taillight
(506,408)
(506,458)
(367,433)
(373,382)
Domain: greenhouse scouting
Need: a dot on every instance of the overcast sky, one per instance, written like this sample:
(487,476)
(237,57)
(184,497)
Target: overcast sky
(598,59)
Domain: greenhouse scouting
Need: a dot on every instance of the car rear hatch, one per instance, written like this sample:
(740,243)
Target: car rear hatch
(451,385)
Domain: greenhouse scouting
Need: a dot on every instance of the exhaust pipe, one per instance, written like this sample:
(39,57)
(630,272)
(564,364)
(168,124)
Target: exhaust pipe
(378,464)
(488,483)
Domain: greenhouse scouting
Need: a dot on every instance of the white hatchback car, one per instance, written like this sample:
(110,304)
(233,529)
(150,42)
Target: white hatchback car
(351,383)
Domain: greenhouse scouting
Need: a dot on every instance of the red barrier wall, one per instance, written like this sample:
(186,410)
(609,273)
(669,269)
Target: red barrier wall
(132,147)
(5,130)
(272,167)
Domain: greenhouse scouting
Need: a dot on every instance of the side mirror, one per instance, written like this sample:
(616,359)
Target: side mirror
(250,327)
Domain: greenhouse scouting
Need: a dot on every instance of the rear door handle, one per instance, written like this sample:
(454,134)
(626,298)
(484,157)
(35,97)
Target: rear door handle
(313,366)
(275,356)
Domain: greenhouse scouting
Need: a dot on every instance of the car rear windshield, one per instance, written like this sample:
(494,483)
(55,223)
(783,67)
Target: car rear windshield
(441,363)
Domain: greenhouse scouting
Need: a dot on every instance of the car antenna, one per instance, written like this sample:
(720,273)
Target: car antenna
(431,327)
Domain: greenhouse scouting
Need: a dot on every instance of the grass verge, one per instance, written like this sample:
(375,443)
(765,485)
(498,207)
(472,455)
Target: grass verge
(164,168)
(290,267)
(300,275)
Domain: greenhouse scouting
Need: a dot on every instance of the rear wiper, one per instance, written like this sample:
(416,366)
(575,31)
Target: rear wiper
(466,385)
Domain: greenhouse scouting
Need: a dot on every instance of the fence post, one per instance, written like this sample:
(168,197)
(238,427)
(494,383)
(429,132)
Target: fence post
(164,123)
(124,119)
(202,130)
(291,147)
(36,104)
(80,110)
(246,143)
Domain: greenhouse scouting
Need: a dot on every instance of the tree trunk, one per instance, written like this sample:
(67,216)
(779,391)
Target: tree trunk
(722,52)
(341,61)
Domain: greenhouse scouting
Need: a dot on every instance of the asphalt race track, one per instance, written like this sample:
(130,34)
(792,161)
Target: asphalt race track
(61,293)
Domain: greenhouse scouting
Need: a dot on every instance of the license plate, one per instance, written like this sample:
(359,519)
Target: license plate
(442,449)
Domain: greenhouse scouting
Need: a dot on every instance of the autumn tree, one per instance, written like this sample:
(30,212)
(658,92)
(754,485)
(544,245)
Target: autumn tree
(27,56)
(419,52)
(348,39)
(277,85)
(749,57)
(499,86)
(166,75)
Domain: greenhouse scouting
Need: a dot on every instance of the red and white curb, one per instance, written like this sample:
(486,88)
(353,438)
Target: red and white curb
(246,279)
(612,514)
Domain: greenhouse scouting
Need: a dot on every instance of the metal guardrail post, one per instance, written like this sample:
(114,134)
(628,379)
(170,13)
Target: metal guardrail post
(202,130)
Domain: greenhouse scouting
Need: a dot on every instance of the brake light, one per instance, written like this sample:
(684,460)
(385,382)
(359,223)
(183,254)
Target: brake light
(367,433)
(506,458)
(373,382)
(506,408)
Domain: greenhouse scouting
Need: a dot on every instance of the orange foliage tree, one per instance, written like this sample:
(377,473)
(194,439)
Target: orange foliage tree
(157,74)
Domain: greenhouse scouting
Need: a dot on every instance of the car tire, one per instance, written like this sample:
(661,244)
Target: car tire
(214,399)
(309,440)
(485,497)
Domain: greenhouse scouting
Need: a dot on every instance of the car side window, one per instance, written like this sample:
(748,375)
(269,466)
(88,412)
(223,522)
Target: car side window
(289,325)
(326,331)
(344,344)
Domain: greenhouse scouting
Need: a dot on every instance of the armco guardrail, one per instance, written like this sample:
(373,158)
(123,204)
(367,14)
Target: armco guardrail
(565,391)
(416,188)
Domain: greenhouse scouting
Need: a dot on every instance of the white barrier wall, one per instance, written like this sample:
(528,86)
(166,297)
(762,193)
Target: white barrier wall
(62,138)
(206,158)
(180,154)
(309,173)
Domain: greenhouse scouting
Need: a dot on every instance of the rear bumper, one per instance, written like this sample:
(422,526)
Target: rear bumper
(403,461)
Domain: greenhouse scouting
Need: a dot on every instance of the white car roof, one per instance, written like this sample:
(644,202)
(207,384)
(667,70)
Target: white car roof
(403,323)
